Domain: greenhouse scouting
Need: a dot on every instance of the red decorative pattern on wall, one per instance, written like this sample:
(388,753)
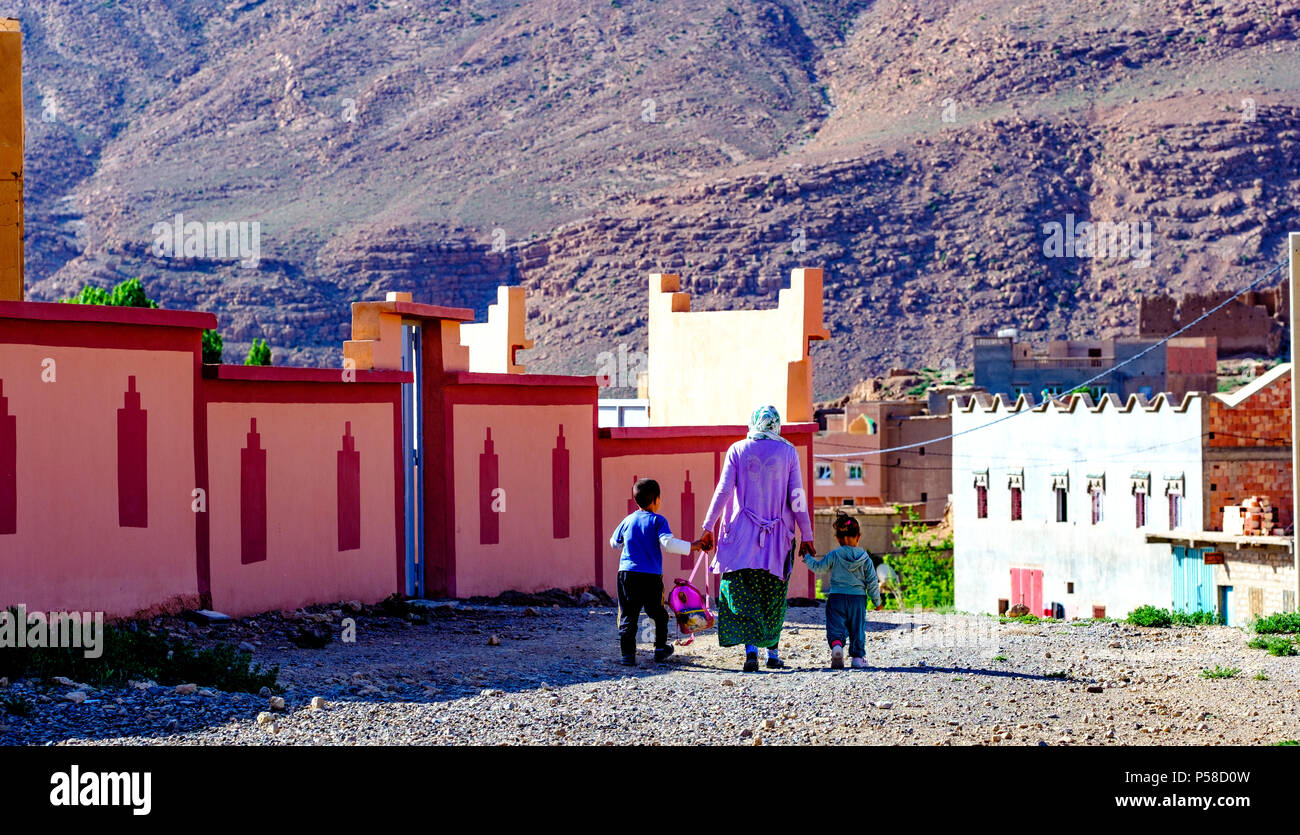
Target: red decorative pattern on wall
(489,521)
(252,498)
(132,461)
(8,467)
(688,520)
(560,488)
(349,492)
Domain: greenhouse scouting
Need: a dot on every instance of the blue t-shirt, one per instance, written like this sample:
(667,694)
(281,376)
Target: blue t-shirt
(639,535)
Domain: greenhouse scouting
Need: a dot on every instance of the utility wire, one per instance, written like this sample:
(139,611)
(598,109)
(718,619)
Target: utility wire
(1090,380)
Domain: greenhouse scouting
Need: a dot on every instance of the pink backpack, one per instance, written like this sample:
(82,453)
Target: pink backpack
(690,605)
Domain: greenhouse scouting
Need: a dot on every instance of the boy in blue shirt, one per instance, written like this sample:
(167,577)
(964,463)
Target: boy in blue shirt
(644,535)
(853,579)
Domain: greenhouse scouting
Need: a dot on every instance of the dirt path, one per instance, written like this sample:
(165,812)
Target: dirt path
(554,679)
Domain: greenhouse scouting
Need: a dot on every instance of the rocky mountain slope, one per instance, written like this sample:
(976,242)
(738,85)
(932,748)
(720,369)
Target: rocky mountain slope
(916,150)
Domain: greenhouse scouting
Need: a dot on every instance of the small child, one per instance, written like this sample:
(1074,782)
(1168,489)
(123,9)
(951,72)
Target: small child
(644,535)
(853,580)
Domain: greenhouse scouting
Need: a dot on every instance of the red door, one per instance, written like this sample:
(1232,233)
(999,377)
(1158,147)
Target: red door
(1027,588)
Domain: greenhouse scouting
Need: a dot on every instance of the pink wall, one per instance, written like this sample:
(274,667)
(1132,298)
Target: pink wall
(320,539)
(83,532)
(67,465)
(525,553)
(106,458)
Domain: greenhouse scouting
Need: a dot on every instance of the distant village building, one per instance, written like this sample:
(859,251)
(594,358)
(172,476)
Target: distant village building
(1253,323)
(1008,367)
(1082,509)
(920,475)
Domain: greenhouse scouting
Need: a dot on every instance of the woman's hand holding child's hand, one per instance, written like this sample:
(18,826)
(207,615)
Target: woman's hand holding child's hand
(700,545)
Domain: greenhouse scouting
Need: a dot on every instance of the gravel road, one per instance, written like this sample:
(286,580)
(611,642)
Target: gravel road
(508,675)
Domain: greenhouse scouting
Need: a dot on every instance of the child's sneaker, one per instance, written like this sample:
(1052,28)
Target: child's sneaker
(858,663)
(662,653)
(837,657)
(629,660)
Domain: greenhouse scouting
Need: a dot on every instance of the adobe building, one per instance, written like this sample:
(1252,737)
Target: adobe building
(1011,368)
(920,476)
(1254,322)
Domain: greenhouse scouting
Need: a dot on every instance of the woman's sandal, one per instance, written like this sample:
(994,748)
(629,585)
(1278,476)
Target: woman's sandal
(775,664)
(751,662)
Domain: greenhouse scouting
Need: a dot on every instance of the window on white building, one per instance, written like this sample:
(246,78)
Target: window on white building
(1061,487)
(822,473)
(1096,496)
(981,494)
(1175,487)
(855,472)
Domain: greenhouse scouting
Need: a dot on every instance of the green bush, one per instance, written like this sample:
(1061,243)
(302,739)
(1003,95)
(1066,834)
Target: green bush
(1281,622)
(131,652)
(1278,646)
(924,565)
(212,347)
(129,293)
(259,353)
(1197,619)
(1150,616)
(1220,672)
(16,705)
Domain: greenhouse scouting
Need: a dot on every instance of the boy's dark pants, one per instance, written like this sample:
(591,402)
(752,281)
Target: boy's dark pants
(846,614)
(638,590)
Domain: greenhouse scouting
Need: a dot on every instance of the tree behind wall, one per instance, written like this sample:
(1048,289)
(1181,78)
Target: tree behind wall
(130,293)
(924,562)
(259,353)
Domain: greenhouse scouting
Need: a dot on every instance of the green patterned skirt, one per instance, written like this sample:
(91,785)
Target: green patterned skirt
(751,608)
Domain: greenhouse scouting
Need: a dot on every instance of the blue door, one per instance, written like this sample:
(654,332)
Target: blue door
(1225,604)
(1193,581)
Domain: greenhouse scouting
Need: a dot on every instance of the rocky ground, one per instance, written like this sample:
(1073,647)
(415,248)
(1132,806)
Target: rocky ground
(490,674)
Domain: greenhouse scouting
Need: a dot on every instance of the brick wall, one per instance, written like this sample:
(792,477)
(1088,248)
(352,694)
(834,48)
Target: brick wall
(1263,419)
(1232,481)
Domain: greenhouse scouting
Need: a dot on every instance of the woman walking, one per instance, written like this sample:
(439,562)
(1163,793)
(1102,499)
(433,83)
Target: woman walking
(761,501)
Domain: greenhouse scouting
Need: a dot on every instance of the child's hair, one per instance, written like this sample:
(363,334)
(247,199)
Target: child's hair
(645,492)
(846,526)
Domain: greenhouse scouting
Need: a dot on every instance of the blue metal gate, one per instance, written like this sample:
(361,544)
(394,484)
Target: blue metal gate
(1193,581)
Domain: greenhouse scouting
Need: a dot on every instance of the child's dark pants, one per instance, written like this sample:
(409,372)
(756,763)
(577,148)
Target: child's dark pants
(846,616)
(638,590)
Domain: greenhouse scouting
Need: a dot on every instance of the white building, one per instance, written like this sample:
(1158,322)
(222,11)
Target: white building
(1052,503)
